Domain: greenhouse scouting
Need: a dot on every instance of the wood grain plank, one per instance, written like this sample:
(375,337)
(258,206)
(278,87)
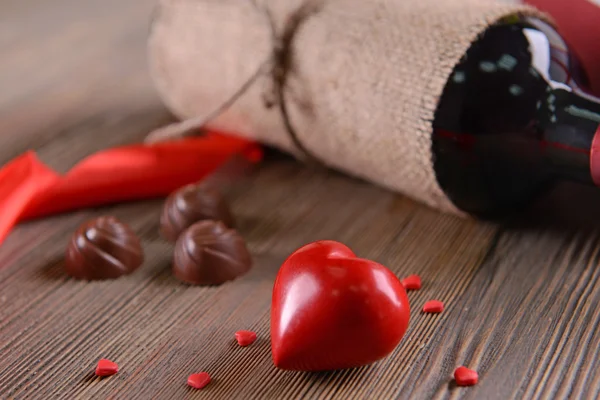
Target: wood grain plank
(522,324)
(192,328)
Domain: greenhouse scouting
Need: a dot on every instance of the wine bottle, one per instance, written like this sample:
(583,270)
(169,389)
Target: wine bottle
(514,118)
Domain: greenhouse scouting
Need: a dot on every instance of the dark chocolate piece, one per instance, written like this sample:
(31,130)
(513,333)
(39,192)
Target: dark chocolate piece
(190,204)
(209,253)
(103,248)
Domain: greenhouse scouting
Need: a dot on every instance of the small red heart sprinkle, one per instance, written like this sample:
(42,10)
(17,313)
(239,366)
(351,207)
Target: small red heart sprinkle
(465,376)
(199,380)
(245,338)
(412,282)
(433,306)
(106,368)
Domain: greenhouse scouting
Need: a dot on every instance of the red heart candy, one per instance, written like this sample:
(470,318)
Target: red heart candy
(331,310)
(433,306)
(245,338)
(412,282)
(106,368)
(199,380)
(465,376)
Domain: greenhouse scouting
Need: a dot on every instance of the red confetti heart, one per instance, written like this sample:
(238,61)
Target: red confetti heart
(331,310)
(106,368)
(433,306)
(412,282)
(465,376)
(245,338)
(199,380)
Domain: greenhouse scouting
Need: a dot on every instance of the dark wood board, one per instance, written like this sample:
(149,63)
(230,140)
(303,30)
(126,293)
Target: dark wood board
(521,295)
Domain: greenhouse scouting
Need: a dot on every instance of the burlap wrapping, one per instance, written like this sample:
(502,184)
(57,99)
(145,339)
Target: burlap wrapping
(364,86)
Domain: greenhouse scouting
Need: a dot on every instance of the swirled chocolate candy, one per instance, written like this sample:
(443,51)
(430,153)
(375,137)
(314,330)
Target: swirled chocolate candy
(190,204)
(103,248)
(209,253)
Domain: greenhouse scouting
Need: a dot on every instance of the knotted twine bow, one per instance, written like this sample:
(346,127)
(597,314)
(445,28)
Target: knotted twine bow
(278,65)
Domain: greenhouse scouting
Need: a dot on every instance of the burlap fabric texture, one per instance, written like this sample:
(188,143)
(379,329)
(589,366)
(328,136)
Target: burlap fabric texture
(362,82)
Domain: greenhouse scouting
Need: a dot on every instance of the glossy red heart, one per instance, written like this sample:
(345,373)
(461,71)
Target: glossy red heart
(332,310)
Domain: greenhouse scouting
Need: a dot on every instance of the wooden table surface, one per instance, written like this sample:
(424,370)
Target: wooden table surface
(521,295)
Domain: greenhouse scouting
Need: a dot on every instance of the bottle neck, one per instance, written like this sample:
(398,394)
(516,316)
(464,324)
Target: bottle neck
(512,119)
(569,124)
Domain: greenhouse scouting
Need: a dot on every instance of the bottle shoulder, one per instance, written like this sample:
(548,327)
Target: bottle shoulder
(494,112)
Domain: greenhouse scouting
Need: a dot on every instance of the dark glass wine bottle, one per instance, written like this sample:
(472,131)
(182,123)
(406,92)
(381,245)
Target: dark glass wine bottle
(513,119)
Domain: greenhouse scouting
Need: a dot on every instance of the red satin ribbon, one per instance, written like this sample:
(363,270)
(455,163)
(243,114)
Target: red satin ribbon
(30,189)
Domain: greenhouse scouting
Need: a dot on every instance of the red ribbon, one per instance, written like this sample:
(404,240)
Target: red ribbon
(30,189)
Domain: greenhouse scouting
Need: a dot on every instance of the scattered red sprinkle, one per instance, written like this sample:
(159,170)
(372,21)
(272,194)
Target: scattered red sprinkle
(412,282)
(433,306)
(245,338)
(106,368)
(199,380)
(465,376)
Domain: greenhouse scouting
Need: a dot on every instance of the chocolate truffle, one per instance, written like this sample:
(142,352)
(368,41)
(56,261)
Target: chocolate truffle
(103,248)
(209,253)
(190,204)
